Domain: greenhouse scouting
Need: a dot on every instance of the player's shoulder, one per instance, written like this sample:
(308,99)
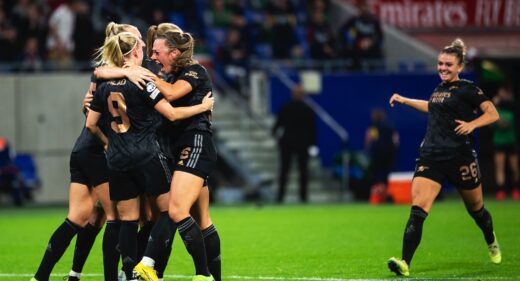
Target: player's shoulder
(470,87)
(195,71)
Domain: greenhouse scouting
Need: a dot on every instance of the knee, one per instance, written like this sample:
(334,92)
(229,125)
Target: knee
(474,205)
(176,213)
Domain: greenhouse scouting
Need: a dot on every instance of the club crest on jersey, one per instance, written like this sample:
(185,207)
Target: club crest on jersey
(422,168)
(152,90)
(193,74)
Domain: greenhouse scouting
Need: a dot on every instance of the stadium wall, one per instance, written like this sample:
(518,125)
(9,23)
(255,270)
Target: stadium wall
(41,114)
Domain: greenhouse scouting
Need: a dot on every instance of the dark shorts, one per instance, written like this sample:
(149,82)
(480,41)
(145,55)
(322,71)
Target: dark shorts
(151,178)
(195,153)
(463,171)
(506,148)
(88,167)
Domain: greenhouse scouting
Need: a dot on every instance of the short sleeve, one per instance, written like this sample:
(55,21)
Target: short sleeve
(97,101)
(475,96)
(194,74)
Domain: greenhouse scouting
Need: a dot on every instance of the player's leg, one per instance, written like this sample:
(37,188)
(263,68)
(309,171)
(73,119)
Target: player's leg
(185,190)
(475,205)
(110,243)
(500,174)
(80,207)
(200,212)
(156,177)
(424,191)
(86,238)
(515,174)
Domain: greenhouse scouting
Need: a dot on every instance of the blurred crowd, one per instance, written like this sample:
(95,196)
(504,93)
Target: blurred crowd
(57,34)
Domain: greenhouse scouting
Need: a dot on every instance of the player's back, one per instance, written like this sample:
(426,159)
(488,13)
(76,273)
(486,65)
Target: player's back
(132,123)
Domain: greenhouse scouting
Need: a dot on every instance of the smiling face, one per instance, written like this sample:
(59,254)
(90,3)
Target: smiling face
(449,67)
(163,55)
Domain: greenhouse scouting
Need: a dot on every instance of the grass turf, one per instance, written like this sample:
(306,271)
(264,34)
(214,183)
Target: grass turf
(294,242)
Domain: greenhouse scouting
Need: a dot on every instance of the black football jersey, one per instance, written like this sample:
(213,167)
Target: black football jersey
(200,82)
(458,100)
(86,140)
(130,123)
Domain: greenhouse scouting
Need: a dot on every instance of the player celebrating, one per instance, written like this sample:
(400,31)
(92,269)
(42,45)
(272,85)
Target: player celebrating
(446,153)
(135,163)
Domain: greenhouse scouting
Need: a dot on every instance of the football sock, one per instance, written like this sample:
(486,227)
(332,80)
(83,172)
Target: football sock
(162,261)
(128,246)
(84,243)
(212,245)
(413,233)
(159,236)
(192,237)
(58,243)
(483,219)
(142,238)
(110,249)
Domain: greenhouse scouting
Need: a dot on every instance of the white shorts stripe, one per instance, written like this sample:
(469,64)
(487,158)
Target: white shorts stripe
(197,148)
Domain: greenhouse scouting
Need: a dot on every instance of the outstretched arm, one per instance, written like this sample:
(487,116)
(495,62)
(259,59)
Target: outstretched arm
(178,113)
(489,115)
(137,74)
(420,105)
(173,91)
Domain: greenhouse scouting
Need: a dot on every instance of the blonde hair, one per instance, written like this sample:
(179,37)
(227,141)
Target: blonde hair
(116,48)
(458,49)
(183,42)
(116,28)
(155,30)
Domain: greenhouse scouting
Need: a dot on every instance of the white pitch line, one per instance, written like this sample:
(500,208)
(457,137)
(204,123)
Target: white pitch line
(291,278)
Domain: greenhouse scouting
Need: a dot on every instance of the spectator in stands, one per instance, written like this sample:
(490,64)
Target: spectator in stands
(10,179)
(280,24)
(61,28)
(31,59)
(234,58)
(320,37)
(381,142)
(34,27)
(295,129)
(84,45)
(504,141)
(361,39)
(224,16)
(8,38)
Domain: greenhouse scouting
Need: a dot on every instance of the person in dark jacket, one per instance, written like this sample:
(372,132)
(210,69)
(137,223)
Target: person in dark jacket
(295,130)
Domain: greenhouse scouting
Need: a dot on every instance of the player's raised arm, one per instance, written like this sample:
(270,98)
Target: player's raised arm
(420,105)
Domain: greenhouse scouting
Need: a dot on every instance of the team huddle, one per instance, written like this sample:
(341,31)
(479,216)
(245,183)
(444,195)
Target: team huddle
(142,160)
(144,155)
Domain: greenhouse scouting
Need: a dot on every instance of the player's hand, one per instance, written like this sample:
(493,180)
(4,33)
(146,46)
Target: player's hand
(87,99)
(464,128)
(139,75)
(209,101)
(396,98)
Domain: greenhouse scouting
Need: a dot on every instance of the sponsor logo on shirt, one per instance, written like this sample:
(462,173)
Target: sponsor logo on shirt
(193,74)
(438,97)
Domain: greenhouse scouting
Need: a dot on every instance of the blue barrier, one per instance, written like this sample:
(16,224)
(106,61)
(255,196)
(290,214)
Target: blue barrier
(349,98)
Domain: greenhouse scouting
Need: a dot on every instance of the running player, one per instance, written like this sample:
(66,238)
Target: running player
(446,153)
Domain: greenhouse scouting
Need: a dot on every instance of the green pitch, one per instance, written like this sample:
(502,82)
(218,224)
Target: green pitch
(294,242)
